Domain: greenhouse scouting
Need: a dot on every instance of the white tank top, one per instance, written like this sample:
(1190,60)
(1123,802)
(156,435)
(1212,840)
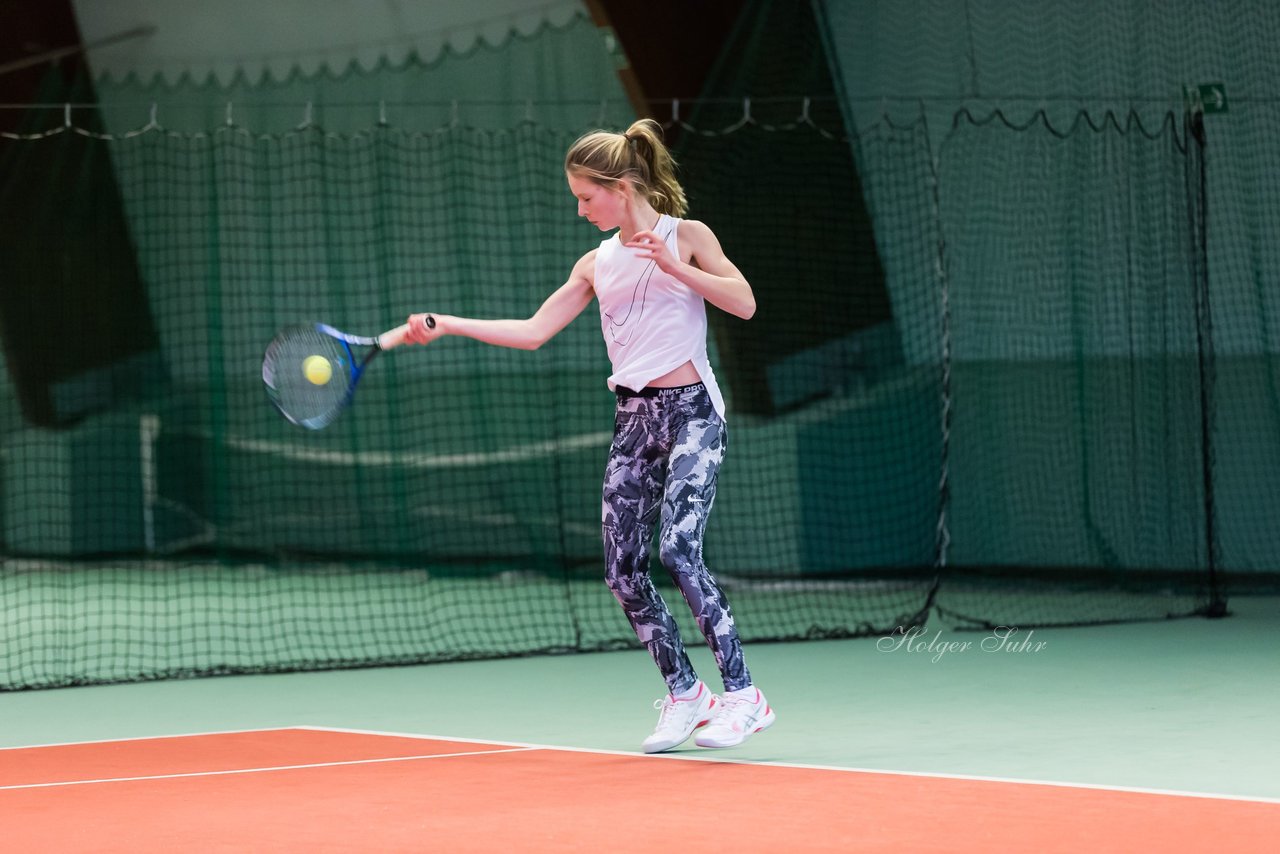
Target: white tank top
(652,323)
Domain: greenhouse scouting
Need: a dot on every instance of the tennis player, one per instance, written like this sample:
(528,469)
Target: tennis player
(652,278)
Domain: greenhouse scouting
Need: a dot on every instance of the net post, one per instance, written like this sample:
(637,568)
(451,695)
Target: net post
(942,538)
(1198,220)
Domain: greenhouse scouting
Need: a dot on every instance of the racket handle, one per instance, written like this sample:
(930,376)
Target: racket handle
(395,337)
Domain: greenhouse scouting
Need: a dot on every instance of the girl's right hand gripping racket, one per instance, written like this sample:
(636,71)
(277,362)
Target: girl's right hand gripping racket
(311,370)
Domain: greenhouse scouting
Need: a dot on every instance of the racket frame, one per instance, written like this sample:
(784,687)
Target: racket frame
(355,368)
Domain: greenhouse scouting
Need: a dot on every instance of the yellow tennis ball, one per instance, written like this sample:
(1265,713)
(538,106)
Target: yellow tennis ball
(317,369)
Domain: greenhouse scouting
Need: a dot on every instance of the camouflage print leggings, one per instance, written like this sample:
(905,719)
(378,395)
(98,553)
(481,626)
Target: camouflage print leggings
(667,448)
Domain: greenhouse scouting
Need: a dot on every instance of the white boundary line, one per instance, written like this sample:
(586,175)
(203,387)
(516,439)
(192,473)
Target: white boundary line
(231,771)
(425,462)
(844,768)
(518,747)
(154,737)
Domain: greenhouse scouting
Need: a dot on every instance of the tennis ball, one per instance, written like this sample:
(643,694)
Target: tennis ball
(317,369)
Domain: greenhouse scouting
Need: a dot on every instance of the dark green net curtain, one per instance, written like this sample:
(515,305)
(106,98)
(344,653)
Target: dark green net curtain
(1042,401)
(1062,266)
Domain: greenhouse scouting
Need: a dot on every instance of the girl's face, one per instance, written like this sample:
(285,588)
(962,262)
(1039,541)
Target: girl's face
(601,206)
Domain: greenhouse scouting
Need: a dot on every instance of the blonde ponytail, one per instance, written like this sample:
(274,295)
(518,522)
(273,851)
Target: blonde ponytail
(639,155)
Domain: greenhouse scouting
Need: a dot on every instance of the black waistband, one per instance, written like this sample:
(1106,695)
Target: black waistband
(652,391)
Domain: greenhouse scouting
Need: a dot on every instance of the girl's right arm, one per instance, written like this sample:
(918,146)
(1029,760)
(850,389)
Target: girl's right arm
(555,314)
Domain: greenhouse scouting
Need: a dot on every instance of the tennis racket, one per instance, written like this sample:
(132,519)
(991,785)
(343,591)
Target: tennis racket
(311,370)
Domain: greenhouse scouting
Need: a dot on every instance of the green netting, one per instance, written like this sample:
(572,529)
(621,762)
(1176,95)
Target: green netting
(982,352)
(452,512)
(1079,358)
(190,529)
(933,58)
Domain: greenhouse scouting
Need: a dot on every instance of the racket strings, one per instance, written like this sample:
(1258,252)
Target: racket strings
(299,397)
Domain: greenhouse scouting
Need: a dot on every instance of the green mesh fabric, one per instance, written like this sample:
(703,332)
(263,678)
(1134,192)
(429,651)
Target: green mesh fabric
(1028,404)
(988,387)
(453,511)
(933,59)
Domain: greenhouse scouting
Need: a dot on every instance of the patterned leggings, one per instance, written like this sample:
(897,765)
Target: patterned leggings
(667,448)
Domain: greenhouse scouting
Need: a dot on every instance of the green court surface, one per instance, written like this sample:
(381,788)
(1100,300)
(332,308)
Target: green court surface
(1185,705)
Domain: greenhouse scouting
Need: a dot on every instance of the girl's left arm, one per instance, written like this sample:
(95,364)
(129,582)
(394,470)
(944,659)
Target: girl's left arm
(708,271)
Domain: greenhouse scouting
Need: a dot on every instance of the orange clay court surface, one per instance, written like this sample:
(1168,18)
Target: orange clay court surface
(329,790)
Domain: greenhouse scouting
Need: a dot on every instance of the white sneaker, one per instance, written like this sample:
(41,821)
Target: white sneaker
(736,719)
(679,718)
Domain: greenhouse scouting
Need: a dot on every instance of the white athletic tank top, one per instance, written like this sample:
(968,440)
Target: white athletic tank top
(652,323)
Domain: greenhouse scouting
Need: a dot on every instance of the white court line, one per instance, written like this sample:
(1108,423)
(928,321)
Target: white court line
(515,454)
(231,771)
(155,737)
(529,747)
(844,768)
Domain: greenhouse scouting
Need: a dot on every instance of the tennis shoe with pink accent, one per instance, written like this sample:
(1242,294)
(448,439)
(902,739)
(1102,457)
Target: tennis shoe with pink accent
(678,719)
(740,715)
